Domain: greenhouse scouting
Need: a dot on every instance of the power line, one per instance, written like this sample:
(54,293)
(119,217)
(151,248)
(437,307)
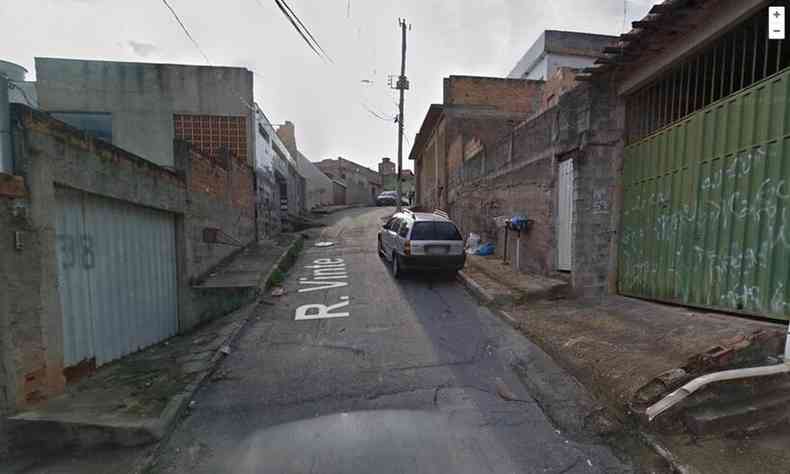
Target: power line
(304,34)
(183,27)
(376,114)
(197,46)
(307,30)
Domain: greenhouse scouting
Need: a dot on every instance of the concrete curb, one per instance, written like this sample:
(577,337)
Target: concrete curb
(265,282)
(324,212)
(151,430)
(175,408)
(164,425)
(485,298)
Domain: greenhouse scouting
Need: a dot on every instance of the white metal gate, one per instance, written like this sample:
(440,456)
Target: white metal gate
(116,274)
(565,216)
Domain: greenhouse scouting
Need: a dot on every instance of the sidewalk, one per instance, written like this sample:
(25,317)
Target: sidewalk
(137,399)
(630,352)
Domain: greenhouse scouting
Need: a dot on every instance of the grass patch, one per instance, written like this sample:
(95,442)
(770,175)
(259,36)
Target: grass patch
(279,273)
(278,277)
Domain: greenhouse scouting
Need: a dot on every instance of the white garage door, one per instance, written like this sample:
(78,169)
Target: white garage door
(116,276)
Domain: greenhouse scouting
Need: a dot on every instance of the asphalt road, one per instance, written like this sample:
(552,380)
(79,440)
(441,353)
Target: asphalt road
(415,378)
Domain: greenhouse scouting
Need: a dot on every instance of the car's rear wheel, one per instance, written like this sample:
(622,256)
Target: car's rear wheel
(397,272)
(380,248)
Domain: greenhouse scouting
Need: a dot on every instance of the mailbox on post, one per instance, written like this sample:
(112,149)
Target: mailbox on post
(518,223)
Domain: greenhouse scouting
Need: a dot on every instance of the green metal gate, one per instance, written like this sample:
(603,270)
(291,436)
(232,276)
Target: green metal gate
(706,215)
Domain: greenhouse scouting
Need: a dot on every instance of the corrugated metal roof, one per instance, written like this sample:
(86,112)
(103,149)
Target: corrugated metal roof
(647,37)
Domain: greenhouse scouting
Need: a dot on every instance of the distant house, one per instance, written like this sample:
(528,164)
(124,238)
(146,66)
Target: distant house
(362,184)
(389,182)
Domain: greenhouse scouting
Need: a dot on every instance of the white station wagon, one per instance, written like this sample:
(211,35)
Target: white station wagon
(421,241)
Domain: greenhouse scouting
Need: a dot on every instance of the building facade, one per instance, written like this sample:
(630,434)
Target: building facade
(103,248)
(318,186)
(143,107)
(456,136)
(557,49)
(552,163)
(361,184)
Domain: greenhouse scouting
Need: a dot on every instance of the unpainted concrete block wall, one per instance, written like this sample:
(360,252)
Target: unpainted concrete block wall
(594,190)
(518,175)
(525,190)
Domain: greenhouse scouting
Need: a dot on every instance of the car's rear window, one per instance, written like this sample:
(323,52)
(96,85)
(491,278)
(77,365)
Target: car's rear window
(435,231)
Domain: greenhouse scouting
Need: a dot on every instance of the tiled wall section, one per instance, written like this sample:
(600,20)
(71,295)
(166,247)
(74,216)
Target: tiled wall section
(210,133)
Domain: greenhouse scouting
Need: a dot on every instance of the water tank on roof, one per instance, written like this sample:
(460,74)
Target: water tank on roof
(15,72)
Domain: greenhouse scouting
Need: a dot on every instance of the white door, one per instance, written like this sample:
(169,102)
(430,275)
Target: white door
(565,216)
(116,276)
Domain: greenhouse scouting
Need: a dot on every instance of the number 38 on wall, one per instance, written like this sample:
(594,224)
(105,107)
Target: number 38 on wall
(76,249)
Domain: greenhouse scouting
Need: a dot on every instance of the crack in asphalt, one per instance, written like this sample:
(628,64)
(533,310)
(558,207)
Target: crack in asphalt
(571,466)
(471,361)
(356,351)
(374,395)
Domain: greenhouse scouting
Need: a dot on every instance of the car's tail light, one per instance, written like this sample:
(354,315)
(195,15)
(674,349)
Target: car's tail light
(407,248)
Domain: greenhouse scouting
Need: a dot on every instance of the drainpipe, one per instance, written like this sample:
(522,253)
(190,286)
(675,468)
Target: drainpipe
(736,374)
(6,160)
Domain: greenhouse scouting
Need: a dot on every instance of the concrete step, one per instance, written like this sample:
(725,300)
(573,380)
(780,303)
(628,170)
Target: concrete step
(717,417)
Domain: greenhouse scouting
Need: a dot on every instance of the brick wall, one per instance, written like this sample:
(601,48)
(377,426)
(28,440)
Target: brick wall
(213,133)
(563,80)
(221,196)
(508,95)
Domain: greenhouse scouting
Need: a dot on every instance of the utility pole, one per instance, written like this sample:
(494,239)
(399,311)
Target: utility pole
(402,85)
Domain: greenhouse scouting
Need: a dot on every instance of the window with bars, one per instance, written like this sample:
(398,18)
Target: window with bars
(738,59)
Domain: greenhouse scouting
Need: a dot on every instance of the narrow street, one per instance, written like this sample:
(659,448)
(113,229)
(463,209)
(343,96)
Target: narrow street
(416,378)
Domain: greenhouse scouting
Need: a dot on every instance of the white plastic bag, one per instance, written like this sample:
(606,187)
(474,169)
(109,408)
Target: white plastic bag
(472,243)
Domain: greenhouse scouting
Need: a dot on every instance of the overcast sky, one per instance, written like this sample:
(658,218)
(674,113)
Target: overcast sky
(326,101)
